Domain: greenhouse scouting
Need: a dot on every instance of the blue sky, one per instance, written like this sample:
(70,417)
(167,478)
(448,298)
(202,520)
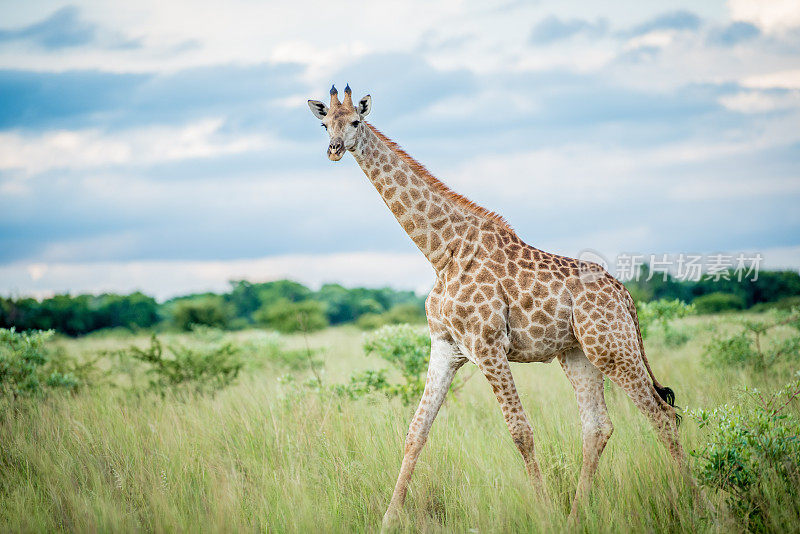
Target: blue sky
(167,146)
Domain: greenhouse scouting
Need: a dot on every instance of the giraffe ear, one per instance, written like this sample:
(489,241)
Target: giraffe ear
(364,106)
(319,109)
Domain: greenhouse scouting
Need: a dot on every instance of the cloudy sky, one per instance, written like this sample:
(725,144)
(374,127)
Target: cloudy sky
(166,146)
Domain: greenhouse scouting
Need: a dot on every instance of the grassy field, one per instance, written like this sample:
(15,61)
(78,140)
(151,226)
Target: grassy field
(254,458)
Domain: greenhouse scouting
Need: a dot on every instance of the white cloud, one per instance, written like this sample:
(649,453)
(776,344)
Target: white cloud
(785,79)
(772,16)
(243,32)
(183,34)
(37,271)
(83,149)
(320,61)
(758,102)
(653,39)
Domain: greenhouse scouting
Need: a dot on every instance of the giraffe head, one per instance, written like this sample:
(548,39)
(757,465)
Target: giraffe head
(342,120)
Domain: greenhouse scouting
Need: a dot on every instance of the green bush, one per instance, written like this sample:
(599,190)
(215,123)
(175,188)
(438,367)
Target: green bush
(26,368)
(718,302)
(287,316)
(407,349)
(404,347)
(752,453)
(371,321)
(659,314)
(206,311)
(750,348)
(365,382)
(199,370)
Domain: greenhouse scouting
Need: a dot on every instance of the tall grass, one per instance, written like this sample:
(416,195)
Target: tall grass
(254,458)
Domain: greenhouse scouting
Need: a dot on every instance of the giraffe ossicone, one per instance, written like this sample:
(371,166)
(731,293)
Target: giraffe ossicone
(497,300)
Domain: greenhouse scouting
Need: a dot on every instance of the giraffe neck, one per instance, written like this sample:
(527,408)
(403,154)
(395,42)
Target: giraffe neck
(423,206)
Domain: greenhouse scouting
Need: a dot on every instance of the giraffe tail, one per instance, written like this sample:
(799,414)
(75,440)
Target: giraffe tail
(666,393)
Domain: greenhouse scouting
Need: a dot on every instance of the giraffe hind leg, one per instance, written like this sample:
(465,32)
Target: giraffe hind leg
(587,381)
(611,344)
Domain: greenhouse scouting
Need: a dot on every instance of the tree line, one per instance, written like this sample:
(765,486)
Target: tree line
(717,294)
(289,306)
(283,305)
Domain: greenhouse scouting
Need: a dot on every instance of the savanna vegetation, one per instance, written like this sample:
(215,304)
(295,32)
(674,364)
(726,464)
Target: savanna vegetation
(277,305)
(259,430)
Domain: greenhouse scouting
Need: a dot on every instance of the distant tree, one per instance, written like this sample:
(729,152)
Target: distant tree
(244,298)
(772,286)
(70,315)
(768,286)
(718,302)
(208,311)
(659,286)
(282,289)
(21,313)
(287,316)
(136,310)
(345,305)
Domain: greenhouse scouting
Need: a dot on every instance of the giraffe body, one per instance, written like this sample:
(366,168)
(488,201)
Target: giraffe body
(498,300)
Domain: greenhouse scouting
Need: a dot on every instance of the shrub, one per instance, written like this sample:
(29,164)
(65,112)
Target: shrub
(287,317)
(408,350)
(206,311)
(371,321)
(749,348)
(199,370)
(26,367)
(365,382)
(752,452)
(659,313)
(718,302)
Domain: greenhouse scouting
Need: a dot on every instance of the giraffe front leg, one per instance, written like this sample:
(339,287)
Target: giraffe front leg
(441,370)
(493,362)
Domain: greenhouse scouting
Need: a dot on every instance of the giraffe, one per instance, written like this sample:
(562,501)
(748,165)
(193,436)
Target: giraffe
(497,300)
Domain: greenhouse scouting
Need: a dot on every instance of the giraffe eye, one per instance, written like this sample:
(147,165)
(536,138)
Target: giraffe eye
(355,124)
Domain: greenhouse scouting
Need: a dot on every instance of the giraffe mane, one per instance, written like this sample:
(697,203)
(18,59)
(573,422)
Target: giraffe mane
(438,185)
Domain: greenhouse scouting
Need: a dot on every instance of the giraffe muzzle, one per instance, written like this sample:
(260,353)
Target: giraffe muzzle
(336,149)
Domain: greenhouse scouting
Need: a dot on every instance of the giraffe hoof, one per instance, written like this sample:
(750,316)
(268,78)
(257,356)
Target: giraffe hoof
(573,521)
(391,522)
